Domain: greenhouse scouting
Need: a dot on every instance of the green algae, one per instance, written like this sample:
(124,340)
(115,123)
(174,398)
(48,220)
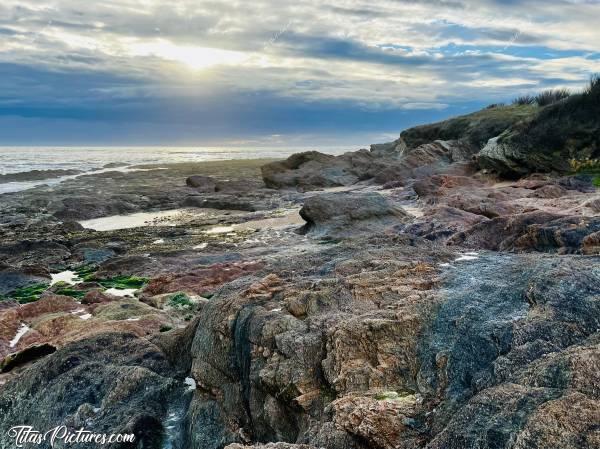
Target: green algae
(27,294)
(33,292)
(181,300)
(67,290)
(88,274)
(122,282)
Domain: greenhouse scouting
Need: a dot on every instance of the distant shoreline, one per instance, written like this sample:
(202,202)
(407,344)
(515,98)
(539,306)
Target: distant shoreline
(26,180)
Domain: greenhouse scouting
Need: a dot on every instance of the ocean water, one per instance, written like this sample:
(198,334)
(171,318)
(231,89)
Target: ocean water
(93,159)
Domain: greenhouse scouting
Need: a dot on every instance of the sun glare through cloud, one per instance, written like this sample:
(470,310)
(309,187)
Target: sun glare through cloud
(194,57)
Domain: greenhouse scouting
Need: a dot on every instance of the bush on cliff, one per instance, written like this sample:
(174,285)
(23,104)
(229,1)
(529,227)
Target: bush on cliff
(476,128)
(564,130)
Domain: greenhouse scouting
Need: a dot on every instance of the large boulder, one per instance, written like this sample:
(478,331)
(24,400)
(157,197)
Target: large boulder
(541,231)
(202,183)
(313,170)
(109,383)
(513,161)
(385,163)
(343,214)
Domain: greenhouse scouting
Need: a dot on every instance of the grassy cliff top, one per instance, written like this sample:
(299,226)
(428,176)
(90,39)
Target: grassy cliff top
(476,128)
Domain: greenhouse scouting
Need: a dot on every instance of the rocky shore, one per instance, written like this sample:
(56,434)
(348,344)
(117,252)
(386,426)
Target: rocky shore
(420,294)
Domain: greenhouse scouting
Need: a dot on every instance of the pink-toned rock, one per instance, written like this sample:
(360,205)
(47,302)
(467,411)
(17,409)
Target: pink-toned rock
(97,297)
(202,280)
(439,185)
(549,191)
(382,423)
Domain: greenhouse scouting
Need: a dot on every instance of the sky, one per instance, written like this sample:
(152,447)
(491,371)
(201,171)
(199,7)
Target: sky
(275,72)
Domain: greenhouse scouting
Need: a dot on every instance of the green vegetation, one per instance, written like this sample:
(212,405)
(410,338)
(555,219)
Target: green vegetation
(544,98)
(585,166)
(476,128)
(86,273)
(27,294)
(165,328)
(593,89)
(32,293)
(180,300)
(122,282)
(551,96)
(563,130)
(62,288)
(589,167)
(524,99)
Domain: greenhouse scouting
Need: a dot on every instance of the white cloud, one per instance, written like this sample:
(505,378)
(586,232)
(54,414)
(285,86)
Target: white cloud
(381,54)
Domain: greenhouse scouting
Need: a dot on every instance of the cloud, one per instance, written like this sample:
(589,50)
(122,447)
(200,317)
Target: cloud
(254,65)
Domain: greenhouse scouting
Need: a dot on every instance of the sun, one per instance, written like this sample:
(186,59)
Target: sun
(196,58)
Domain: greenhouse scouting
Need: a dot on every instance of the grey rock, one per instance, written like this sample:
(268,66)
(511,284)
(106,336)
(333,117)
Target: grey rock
(202,183)
(344,214)
(127,379)
(511,160)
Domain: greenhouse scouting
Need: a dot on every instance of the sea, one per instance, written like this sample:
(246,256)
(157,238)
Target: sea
(96,159)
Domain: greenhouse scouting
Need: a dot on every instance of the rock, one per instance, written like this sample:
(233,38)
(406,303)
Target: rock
(13,278)
(27,355)
(201,281)
(390,149)
(442,222)
(16,319)
(124,266)
(126,381)
(382,423)
(473,129)
(504,159)
(92,255)
(594,204)
(85,207)
(37,175)
(222,202)
(471,323)
(549,191)
(33,252)
(271,446)
(344,214)
(393,185)
(383,164)
(439,185)
(536,230)
(580,183)
(97,297)
(485,206)
(450,157)
(312,170)
(202,183)
(591,243)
